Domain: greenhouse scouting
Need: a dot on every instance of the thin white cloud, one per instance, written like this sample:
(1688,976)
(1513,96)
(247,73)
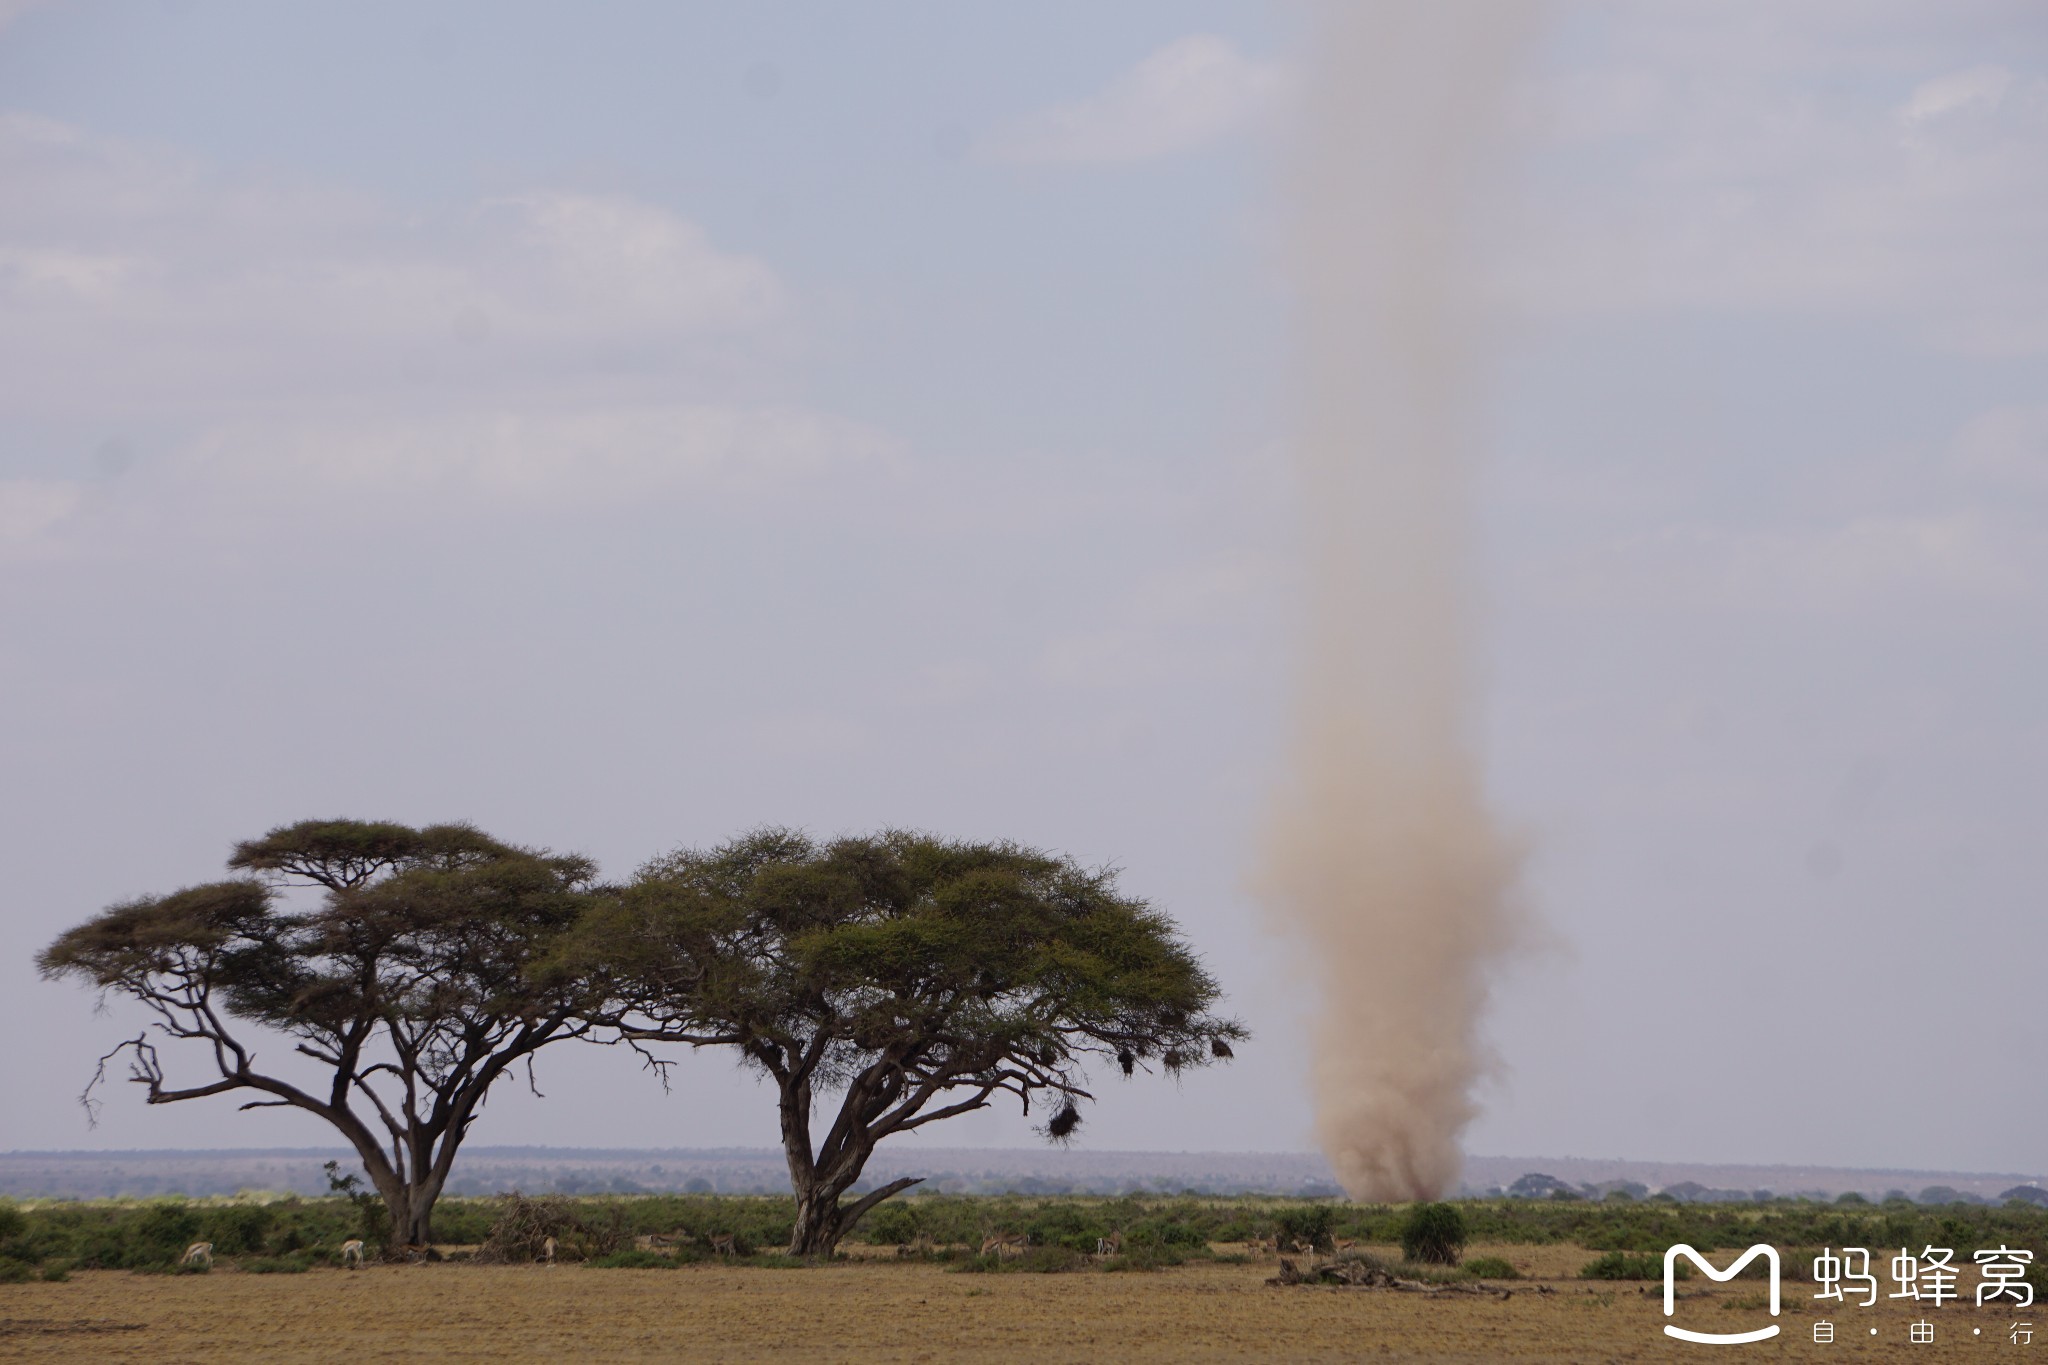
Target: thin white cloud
(1870,563)
(1707,162)
(30,507)
(545,459)
(1191,92)
(2008,445)
(1979,85)
(198,291)
(298,345)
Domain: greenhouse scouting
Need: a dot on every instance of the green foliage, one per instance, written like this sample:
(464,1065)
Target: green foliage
(1051,1260)
(635,1259)
(1168,1231)
(16,1272)
(919,976)
(1622,1265)
(892,1225)
(1491,1268)
(342,979)
(163,1233)
(373,1219)
(12,1224)
(237,1229)
(277,1265)
(1433,1234)
(463,1221)
(1157,1230)
(1310,1223)
(1150,1258)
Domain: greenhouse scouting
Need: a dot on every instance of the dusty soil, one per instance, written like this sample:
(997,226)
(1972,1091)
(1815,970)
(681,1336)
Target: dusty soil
(888,1311)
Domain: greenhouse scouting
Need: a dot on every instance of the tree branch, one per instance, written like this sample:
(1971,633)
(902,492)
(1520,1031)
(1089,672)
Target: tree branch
(852,1213)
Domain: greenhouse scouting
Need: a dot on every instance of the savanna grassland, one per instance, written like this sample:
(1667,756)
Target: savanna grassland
(93,1282)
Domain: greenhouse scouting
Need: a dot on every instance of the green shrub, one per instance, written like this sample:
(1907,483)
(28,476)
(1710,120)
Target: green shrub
(56,1272)
(893,1224)
(1308,1223)
(161,1235)
(237,1229)
(466,1221)
(1491,1268)
(1074,1226)
(1150,1258)
(1623,1265)
(1035,1261)
(633,1260)
(1433,1234)
(16,1272)
(278,1265)
(12,1224)
(373,1220)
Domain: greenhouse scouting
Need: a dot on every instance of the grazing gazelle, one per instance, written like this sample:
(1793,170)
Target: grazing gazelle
(352,1254)
(658,1241)
(199,1254)
(722,1243)
(1112,1245)
(1005,1245)
(547,1251)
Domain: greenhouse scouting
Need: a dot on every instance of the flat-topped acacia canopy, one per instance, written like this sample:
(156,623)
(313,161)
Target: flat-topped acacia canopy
(425,969)
(917,976)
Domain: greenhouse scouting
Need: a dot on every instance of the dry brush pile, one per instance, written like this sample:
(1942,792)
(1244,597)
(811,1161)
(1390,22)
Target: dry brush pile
(526,1225)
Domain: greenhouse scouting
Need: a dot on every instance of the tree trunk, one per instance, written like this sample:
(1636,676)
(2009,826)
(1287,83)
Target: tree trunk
(817,1230)
(409,1207)
(419,1227)
(820,1218)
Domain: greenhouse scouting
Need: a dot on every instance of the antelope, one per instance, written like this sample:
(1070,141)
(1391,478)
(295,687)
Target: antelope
(1263,1246)
(657,1241)
(199,1254)
(352,1254)
(722,1244)
(418,1253)
(1112,1245)
(547,1251)
(1343,1244)
(1005,1245)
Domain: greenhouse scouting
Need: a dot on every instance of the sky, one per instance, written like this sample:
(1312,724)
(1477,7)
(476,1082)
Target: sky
(624,427)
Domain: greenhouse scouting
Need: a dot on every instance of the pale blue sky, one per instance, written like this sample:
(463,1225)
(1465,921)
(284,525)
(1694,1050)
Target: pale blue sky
(619,427)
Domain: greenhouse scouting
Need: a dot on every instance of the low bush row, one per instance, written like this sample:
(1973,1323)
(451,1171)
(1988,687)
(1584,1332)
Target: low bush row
(288,1235)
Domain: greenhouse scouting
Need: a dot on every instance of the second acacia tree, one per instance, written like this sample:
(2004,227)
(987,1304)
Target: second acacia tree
(914,978)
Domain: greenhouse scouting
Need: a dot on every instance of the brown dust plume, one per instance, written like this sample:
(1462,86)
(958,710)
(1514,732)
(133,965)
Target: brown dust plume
(1383,858)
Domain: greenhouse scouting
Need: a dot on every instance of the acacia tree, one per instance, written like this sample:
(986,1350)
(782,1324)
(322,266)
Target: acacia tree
(915,977)
(419,974)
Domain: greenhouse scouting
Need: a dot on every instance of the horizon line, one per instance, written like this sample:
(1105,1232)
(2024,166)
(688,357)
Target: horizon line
(777,1153)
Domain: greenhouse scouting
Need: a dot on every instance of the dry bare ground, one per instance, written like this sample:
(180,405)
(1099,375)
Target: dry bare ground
(883,1311)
